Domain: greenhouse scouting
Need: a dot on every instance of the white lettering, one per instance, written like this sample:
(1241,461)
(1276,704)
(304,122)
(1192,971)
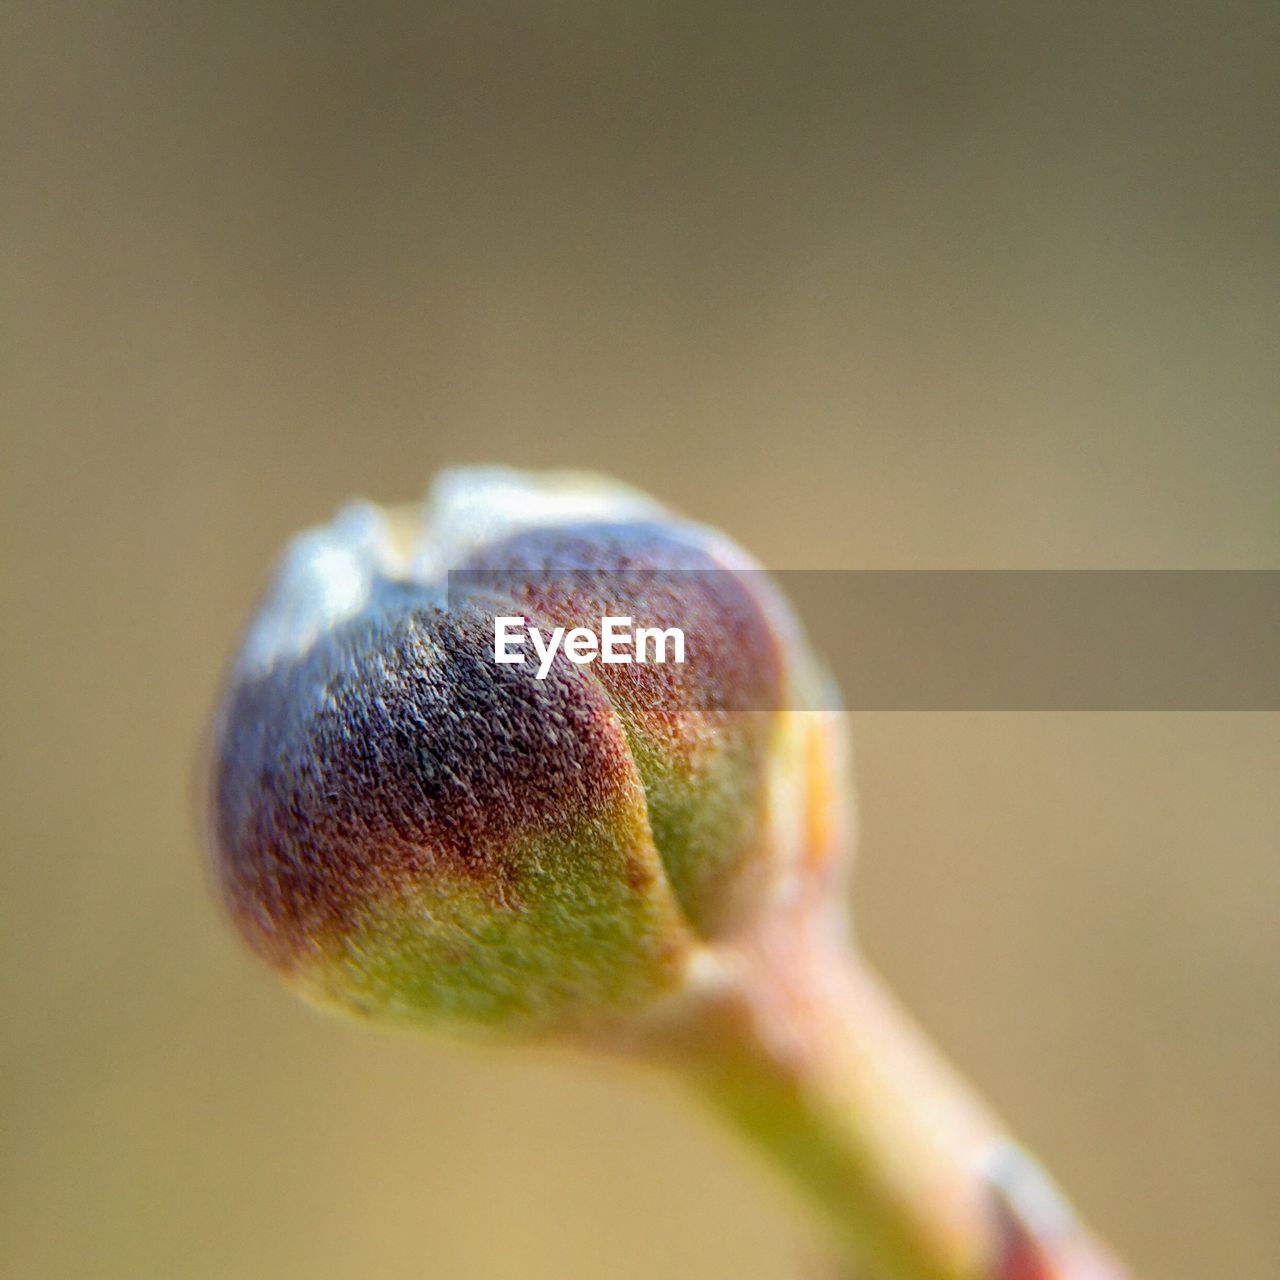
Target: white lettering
(502,638)
(581,645)
(610,637)
(546,652)
(615,643)
(659,638)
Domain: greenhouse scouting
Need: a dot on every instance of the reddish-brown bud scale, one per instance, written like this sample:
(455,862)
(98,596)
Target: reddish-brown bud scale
(704,733)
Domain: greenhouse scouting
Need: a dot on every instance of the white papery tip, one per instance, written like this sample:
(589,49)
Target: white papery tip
(327,574)
(470,507)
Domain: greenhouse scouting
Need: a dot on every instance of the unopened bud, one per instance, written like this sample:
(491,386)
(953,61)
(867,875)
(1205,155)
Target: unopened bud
(410,828)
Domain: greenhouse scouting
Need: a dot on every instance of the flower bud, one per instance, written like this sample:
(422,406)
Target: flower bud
(405,827)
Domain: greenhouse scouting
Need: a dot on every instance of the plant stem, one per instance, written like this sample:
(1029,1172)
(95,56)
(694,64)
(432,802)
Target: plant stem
(803,1049)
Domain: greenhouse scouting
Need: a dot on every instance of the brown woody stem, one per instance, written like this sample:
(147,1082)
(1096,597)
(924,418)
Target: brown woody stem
(801,1047)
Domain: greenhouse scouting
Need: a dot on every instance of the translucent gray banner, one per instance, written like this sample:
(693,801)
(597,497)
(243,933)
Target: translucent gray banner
(956,640)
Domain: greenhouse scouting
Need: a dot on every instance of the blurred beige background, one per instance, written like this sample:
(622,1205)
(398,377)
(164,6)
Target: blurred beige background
(877,286)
